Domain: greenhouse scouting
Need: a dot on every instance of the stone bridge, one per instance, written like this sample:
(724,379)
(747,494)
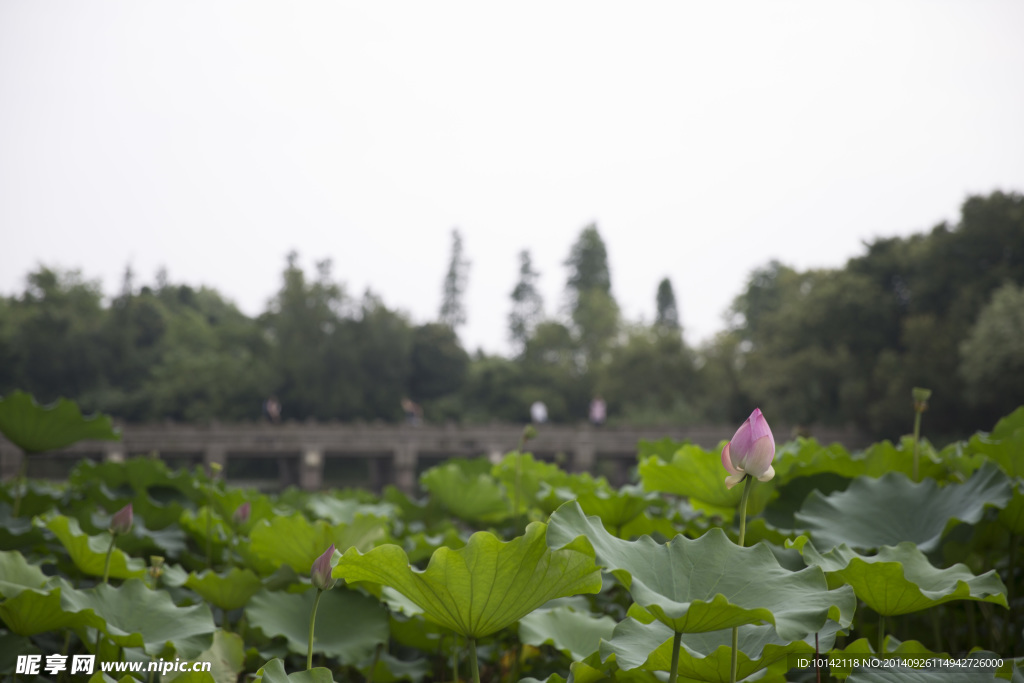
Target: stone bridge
(313,456)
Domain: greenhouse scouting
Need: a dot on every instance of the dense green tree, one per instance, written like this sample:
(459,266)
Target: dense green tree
(439,363)
(453,309)
(650,378)
(667,315)
(527,304)
(992,355)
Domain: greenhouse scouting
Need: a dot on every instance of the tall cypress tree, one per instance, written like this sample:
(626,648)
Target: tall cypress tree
(453,311)
(668,313)
(527,304)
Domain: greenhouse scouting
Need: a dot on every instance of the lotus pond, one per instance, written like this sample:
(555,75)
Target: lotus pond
(518,570)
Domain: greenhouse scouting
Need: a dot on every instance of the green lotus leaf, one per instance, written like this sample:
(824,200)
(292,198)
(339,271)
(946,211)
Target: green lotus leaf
(420,546)
(646,525)
(862,648)
(294,541)
(617,508)
(388,669)
(273,672)
(349,625)
(698,474)
(900,675)
(227,591)
(468,496)
(226,656)
(140,474)
(17,575)
(1012,516)
(339,511)
(34,428)
(1004,445)
(32,612)
(133,615)
(576,634)
(483,587)
(538,478)
(707,656)
(37,497)
(872,513)
(710,583)
(900,579)
(89,553)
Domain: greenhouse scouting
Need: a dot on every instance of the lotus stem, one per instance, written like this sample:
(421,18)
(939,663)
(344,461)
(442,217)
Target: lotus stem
(748,483)
(881,634)
(474,665)
(917,436)
(20,483)
(106,562)
(674,672)
(312,623)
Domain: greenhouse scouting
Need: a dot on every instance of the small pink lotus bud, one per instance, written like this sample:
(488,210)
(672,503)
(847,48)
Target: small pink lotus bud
(242,513)
(121,522)
(751,451)
(321,570)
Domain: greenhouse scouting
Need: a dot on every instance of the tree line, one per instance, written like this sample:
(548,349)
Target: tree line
(844,346)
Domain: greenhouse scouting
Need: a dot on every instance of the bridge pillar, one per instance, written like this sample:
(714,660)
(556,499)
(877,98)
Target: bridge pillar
(403,463)
(113,452)
(10,462)
(583,456)
(311,469)
(215,454)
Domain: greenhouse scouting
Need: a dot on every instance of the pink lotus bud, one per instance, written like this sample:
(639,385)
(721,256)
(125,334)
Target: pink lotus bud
(242,513)
(121,522)
(321,571)
(751,451)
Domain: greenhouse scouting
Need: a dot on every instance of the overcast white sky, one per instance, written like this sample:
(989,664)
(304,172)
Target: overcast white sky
(704,139)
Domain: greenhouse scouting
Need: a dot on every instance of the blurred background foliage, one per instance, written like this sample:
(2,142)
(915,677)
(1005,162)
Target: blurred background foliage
(838,347)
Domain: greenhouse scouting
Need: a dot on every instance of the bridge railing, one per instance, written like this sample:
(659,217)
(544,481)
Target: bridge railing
(394,454)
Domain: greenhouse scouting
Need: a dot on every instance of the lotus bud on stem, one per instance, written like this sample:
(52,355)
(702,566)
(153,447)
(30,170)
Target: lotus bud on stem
(120,523)
(747,456)
(921,397)
(320,575)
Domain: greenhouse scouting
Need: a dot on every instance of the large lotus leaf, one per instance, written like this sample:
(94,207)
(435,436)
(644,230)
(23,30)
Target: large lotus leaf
(710,583)
(37,497)
(89,553)
(875,512)
(646,525)
(388,669)
(862,648)
(536,477)
(617,508)
(699,475)
(274,672)
(34,428)
(472,497)
(1004,445)
(898,675)
(226,656)
(139,475)
(576,634)
(900,580)
(133,615)
(16,574)
(33,611)
(806,457)
(483,587)
(349,625)
(339,511)
(227,591)
(707,656)
(294,541)
(1012,516)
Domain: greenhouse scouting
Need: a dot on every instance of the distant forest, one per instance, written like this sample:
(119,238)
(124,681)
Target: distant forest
(942,310)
